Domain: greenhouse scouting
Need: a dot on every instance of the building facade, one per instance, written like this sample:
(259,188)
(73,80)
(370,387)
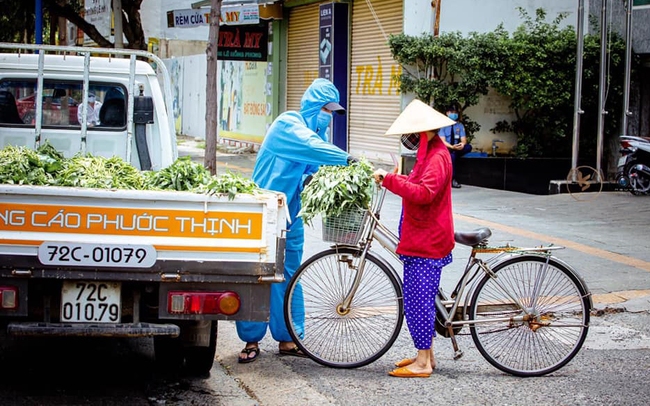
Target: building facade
(351,47)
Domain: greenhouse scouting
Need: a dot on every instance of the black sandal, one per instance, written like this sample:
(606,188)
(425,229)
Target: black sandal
(248,351)
(295,352)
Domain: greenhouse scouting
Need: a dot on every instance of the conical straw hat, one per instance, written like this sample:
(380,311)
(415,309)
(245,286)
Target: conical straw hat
(417,117)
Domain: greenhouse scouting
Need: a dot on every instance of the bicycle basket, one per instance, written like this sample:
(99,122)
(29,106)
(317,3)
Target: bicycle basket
(345,228)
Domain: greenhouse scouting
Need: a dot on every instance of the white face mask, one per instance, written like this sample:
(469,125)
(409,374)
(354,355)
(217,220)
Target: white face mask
(91,99)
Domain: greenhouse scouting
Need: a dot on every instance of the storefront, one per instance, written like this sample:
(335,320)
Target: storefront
(373,99)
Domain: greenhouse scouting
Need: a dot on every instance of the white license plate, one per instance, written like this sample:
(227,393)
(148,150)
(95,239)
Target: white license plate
(621,161)
(90,302)
(82,254)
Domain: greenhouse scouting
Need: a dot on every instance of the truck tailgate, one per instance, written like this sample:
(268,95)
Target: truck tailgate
(180,236)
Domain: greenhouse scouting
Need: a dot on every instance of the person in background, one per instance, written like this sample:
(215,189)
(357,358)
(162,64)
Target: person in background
(455,140)
(294,147)
(92,110)
(426,227)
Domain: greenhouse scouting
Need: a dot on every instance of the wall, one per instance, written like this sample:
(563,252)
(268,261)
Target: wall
(491,109)
(418,17)
(486,15)
(154,21)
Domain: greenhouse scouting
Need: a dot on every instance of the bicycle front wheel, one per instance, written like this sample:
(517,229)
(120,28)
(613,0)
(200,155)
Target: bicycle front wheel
(330,334)
(530,319)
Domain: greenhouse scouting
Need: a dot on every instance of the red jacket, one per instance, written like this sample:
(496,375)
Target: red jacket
(428,226)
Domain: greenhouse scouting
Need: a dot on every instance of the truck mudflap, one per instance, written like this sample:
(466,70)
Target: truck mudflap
(125,330)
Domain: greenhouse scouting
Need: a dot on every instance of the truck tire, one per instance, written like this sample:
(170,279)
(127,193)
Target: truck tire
(199,360)
(168,352)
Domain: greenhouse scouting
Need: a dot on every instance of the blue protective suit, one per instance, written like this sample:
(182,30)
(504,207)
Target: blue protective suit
(291,151)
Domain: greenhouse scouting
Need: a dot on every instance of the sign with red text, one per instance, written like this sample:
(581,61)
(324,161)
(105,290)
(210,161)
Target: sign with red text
(243,42)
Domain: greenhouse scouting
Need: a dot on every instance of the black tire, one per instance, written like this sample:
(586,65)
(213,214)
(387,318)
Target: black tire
(168,352)
(551,337)
(639,183)
(344,340)
(199,360)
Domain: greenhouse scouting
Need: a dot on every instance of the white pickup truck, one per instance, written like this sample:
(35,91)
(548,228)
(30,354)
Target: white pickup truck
(122,263)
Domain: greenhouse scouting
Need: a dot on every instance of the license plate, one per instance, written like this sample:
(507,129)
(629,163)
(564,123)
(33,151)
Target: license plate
(90,302)
(621,161)
(82,254)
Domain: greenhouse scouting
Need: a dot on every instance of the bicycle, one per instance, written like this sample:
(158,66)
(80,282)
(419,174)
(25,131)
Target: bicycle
(527,311)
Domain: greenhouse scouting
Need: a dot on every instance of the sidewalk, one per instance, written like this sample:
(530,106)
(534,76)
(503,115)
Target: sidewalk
(605,234)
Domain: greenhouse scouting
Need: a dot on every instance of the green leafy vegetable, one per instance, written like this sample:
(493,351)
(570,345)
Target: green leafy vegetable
(231,183)
(47,166)
(99,172)
(24,166)
(335,189)
(183,175)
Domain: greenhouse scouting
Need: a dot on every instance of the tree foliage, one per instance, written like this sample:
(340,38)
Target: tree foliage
(534,67)
(17,24)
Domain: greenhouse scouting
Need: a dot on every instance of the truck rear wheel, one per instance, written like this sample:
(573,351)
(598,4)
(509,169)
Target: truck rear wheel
(174,353)
(199,360)
(169,352)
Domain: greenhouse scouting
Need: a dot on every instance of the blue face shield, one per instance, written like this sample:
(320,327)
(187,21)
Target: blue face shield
(323,126)
(453,116)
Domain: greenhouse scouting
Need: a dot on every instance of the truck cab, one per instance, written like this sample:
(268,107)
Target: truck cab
(81,102)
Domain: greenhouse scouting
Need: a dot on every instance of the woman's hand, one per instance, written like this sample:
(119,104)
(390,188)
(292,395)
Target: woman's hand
(379,175)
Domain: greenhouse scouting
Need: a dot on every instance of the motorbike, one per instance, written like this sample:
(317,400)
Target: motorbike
(633,170)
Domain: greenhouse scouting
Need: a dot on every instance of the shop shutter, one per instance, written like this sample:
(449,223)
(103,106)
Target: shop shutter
(302,52)
(375,100)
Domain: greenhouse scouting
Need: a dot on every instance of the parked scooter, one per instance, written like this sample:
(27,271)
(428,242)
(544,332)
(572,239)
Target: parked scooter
(633,171)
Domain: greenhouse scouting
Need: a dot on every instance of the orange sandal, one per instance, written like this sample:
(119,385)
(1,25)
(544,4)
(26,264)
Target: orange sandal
(407,373)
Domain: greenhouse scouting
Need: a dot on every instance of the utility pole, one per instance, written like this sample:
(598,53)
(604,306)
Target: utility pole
(577,103)
(602,86)
(211,108)
(628,66)
(117,24)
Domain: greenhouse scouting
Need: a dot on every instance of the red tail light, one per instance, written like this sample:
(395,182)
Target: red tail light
(625,144)
(8,297)
(183,302)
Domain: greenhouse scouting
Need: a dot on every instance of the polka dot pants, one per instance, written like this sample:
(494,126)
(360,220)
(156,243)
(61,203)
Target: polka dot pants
(421,282)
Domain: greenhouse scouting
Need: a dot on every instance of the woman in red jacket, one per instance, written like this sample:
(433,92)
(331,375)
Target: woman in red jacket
(426,227)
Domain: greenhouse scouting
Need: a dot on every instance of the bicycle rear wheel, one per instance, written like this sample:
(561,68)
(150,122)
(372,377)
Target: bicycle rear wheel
(341,338)
(540,315)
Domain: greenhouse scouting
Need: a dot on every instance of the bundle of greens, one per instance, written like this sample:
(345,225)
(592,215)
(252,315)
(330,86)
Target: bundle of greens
(183,175)
(24,166)
(99,173)
(230,183)
(47,166)
(337,189)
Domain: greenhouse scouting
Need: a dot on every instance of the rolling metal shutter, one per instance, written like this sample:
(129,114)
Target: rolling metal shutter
(302,52)
(375,100)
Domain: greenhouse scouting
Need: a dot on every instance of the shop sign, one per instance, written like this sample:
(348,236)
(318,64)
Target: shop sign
(243,43)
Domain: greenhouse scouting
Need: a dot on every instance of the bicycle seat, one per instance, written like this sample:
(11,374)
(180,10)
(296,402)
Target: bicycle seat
(473,238)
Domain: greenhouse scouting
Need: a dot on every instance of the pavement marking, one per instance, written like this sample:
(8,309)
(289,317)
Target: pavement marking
(610,256)
(620,297)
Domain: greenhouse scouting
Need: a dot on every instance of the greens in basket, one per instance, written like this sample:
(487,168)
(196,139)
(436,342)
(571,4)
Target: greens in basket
(335,189)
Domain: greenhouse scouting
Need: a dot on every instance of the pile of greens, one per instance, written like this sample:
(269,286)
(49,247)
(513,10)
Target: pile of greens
(336,189)
(47,166)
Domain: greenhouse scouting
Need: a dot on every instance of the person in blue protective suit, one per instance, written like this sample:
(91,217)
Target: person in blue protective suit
(295,145)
